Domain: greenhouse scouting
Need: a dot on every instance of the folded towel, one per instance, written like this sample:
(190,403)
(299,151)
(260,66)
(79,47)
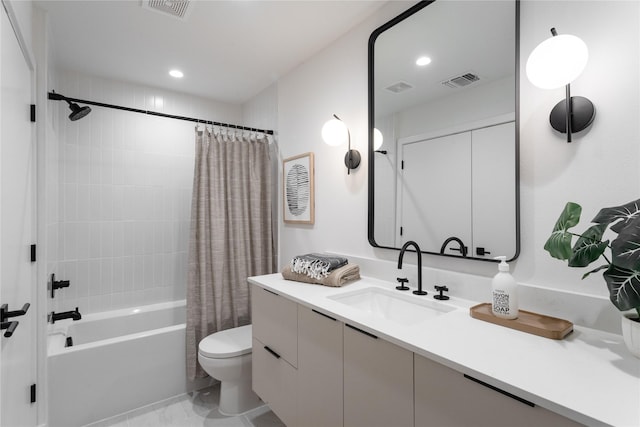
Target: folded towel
(316,266)
(338,277)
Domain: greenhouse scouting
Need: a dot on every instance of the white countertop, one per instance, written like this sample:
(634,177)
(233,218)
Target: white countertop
(589,376)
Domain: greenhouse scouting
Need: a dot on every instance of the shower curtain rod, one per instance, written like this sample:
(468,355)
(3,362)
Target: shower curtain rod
(57,97)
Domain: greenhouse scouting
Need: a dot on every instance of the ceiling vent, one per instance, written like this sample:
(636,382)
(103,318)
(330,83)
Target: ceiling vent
(176,8)
(399,87)
(461,81)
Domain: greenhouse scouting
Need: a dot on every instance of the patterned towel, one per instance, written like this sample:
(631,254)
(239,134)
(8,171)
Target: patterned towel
(316,266)
(338,277)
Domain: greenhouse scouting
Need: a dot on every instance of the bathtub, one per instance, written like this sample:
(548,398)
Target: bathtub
(120,360)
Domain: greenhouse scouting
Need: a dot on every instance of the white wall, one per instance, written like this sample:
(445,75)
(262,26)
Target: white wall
(600,168)
(124,194)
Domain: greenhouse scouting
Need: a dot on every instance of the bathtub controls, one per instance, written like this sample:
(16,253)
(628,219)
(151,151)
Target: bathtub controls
(75,315)
(58,284)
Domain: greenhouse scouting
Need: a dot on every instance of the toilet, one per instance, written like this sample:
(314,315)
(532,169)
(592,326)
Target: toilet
(226,356)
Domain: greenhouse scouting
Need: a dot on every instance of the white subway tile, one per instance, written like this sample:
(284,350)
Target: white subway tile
(70,202)
(83,240)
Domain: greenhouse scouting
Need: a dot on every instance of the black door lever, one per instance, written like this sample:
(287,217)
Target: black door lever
(6,314)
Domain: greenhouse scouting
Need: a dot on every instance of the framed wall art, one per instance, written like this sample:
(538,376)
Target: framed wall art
(297,189)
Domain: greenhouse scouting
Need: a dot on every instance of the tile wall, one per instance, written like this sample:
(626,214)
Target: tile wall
(124,195)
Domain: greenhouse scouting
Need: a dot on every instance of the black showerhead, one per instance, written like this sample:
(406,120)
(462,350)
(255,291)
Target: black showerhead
(77,112)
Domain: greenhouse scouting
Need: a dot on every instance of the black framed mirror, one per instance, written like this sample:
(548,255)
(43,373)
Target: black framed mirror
(447,173)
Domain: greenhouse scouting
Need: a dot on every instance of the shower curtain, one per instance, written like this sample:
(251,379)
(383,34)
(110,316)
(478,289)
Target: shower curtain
(231,234)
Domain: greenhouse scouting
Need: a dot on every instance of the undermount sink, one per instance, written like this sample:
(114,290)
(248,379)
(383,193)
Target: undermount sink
(391,305)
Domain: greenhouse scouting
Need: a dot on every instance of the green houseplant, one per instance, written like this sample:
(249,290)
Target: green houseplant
(622,264)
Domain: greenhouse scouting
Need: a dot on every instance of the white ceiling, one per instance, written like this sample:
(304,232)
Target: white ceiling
(228,50)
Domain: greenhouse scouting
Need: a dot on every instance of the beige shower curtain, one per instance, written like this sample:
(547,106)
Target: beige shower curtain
(231,234)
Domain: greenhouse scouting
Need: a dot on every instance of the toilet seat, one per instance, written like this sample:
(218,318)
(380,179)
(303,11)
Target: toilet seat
(228,343)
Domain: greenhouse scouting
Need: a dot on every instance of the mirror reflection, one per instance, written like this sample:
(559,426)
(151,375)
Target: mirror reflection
(443,89)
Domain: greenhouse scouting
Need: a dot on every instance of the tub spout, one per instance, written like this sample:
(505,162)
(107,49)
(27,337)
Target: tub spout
(75,315)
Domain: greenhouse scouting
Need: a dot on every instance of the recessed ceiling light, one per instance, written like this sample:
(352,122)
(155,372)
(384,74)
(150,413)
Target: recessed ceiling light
(423,60)
(176,73)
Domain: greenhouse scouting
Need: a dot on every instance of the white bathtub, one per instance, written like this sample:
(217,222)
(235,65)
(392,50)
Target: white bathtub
(120,360)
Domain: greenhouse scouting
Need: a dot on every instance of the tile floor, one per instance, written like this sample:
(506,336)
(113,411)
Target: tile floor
(196,409)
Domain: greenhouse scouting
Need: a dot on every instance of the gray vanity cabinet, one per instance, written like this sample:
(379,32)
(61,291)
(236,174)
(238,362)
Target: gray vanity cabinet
(319,369)
(445,397)
(378,382)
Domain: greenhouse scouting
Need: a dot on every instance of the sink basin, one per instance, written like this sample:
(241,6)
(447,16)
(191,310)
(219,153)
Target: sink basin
(391,305)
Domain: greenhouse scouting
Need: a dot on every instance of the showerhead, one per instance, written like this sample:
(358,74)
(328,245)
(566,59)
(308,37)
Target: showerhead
(77,112)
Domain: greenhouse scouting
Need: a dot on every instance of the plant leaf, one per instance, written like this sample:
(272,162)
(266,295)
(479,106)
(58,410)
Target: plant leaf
(589,246)
(602,267)
(624,287)
(559,243)
(626,247)
(625,213)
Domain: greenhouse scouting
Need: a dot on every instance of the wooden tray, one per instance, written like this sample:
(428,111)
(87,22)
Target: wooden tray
(532,323)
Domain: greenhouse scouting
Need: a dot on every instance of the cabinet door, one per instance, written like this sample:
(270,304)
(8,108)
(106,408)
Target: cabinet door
(319,369)
(275,323)
(378,382)
(274,380)
(444,397)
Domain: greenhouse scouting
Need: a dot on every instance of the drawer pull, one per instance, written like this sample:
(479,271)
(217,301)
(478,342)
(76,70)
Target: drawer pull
(369,334)
(325,315)
(273,353)
(271,292)
(506,393)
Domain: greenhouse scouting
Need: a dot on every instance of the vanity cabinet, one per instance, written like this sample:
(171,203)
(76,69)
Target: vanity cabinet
(275,352)
(445,397)
(378,381)
(320,371)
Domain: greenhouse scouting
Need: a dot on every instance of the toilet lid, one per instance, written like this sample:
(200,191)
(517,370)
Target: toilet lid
(228,343)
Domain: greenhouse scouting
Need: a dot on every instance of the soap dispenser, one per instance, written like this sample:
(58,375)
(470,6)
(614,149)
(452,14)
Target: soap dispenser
(504,301)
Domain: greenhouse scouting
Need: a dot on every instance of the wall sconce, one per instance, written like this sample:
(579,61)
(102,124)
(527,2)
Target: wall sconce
(377,141)
(334,133)
(554,63)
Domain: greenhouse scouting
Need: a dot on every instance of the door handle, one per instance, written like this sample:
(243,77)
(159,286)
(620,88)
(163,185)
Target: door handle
(10,327)
(6,314)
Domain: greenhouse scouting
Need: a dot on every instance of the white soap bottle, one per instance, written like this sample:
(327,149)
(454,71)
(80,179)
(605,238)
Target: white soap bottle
(504,295)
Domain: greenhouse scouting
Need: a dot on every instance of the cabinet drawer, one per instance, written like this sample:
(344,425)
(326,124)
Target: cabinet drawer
(445,397)
(275,323)
(275,381)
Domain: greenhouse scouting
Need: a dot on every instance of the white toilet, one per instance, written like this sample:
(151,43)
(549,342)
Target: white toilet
(226,356)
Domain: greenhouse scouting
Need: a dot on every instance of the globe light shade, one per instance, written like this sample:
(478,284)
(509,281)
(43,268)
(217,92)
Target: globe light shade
(377,139)
(557,61)
(335,132)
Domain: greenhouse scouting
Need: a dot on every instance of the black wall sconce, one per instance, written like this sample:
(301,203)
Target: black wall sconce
(554,63)
(335,132)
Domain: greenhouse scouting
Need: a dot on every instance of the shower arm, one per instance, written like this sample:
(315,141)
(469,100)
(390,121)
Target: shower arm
(58,97)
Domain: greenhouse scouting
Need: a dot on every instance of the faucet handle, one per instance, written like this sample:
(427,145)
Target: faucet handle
(402,281)
(440,296)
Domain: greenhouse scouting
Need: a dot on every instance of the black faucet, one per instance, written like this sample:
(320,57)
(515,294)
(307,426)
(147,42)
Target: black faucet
(462,249)
(419,254)
(75,315)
